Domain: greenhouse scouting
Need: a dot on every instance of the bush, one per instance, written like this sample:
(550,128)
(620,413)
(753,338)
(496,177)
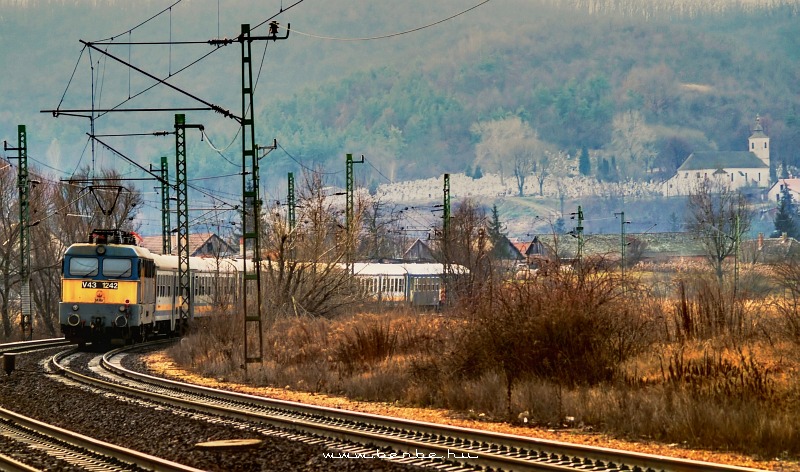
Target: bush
(572,327)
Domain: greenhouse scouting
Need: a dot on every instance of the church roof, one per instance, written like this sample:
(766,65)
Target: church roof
(758,131)
(722,160)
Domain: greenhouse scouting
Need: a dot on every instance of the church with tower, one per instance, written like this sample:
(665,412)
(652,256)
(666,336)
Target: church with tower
(736,169)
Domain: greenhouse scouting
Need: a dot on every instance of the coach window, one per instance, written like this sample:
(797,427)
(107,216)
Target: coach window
(117,267)
(83,266)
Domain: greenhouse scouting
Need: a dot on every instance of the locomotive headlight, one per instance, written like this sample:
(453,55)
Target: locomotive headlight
(122,308)
(101,250)
(75,307)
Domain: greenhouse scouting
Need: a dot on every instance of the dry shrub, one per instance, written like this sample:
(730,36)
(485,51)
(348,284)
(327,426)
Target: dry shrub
(703,308)
(572,326)
(367,343)
(299,341)
(383,382)
(212,347)
(718,377)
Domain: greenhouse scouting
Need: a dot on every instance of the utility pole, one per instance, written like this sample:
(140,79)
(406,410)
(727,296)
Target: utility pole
(290,202)
(578,232)
(251,224)
(737,238)
(185,308)
(350,208)
(446,203)
(166,230)
(446,236)
(290,215)
(23,185)
(622,244)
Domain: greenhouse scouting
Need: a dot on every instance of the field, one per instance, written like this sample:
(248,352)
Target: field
(672,360)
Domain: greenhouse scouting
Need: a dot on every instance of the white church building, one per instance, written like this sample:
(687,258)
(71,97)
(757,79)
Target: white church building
(736,169)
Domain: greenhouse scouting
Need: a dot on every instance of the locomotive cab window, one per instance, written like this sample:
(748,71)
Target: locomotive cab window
(117,267)
(83,266)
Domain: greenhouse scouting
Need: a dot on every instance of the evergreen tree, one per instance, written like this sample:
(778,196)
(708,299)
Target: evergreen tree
(478,173)
(786,219)
(496,235)
(584,164)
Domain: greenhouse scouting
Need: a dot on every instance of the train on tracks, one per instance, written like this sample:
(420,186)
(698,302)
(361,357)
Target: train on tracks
(114,291)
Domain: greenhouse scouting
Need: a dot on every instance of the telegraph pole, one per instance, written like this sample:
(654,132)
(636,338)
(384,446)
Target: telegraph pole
(23,185)
(579,231)
(250,194)
(185,308)
(166,235)
(350,208)
(446,222)
(622,244)
(446,236)
(291,219)
(737,238)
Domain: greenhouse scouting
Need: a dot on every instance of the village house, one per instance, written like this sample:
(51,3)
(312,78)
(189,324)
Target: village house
(735,169)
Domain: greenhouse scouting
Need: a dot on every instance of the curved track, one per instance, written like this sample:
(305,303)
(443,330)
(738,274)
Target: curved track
(70,448)
(411,441)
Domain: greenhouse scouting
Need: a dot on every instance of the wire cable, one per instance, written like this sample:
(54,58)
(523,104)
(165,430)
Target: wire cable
(378,171)
(111,38)
(391,35)
(305,167)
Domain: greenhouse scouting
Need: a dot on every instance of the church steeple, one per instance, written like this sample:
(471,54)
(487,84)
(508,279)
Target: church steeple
(758,143)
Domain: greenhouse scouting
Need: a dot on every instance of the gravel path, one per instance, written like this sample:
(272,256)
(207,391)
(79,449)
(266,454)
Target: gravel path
(31,391)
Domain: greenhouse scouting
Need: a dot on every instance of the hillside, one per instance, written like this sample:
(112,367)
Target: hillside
(639,84)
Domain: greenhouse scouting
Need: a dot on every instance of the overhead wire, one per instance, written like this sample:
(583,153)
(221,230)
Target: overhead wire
(391,35)
(111,38)
(303,166)
(132,95)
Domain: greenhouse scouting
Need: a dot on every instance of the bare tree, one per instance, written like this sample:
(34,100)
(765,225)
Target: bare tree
(379,225)
(634,142)
(541,167)
(507,140)
(719,217)
(467,244)
(9,244)
(306,264)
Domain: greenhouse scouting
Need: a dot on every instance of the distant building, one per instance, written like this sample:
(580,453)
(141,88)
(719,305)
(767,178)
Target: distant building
(418,252)
(200,244)
(736,169)
(774,193)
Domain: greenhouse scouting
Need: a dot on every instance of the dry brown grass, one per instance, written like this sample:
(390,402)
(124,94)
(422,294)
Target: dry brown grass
(735,388)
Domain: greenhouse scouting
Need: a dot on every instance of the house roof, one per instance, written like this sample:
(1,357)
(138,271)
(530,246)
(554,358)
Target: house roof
(507,249)
(655,245)
(792,184)
(521,246)
(196,243)
(722,160)
(418,251)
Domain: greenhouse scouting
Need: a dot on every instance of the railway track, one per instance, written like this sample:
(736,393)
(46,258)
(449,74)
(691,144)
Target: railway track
(75,450)
(412,442)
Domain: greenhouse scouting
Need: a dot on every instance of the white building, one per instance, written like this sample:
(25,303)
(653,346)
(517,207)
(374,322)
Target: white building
(736,169)
(776,191)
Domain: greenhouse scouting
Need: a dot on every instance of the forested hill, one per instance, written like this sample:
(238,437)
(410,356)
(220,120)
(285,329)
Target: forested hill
(640,83)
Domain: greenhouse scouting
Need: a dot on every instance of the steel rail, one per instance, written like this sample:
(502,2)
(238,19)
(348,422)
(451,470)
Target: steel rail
(450,443)
(87,450)
(22,346)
